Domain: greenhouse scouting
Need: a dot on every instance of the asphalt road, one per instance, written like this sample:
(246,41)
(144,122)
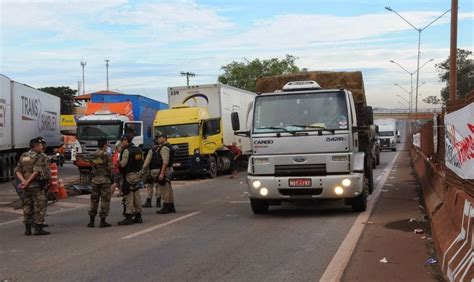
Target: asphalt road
(213,236)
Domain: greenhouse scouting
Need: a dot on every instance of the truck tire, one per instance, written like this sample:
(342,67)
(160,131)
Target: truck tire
(374,162)
(359,203)
(377,159)
(394,149)
(212,167)
(369,175)
(259,206)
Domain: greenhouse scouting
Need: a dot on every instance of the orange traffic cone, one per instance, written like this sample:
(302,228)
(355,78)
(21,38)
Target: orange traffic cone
(54,179)
(62,191)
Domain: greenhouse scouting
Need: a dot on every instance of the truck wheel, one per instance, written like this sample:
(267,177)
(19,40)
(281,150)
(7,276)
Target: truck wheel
(374,162)
(394,149)
(212,167)
(369,176)
(377,159)
(259,206)
(359,203)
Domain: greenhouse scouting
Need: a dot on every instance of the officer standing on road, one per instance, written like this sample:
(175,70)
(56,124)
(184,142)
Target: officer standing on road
(165,174)
(131,164)
(30,171)
(151,171)
(102,168)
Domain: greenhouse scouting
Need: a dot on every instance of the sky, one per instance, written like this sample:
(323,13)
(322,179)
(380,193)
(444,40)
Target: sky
(149,43)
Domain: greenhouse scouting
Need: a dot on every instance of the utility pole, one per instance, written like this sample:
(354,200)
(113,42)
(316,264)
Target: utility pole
(188,74)
(453,56)
(79,86)
(107,72)
(83,64)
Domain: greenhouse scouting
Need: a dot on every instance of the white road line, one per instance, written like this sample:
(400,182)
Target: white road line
(71,204)
(339,262)
(10,210)
(136,234)
(240,202)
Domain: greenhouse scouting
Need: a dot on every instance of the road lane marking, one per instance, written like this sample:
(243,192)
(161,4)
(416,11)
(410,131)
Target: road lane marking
(240,202)
(339,262)
(71,204)
(10,210)
(139,233)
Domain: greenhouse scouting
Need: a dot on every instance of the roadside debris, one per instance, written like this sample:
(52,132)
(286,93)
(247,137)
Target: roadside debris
(418,231)
(431,261)
(384,260)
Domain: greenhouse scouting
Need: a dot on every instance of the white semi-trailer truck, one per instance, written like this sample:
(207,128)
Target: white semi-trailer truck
(25,113)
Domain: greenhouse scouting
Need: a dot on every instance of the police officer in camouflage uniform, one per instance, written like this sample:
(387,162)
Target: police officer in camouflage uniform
(165,175)
(102,168)
(151,171)
(131,164)
(31,172)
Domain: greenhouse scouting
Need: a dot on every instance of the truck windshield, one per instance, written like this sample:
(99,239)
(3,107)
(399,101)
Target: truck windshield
(300,112)
(178,130)
(385,133)
(96,131)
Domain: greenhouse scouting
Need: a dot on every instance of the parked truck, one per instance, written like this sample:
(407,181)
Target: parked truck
(312,135)
(110,116)
(198,124)
(25,113)
(388,135)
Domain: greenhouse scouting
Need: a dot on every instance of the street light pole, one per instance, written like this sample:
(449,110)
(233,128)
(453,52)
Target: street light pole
(419,30)
(83,64)
(107,72)
(453,51)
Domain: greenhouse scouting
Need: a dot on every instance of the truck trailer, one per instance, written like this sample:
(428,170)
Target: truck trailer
(112,115)
(198,124)
(25,113)
(312,135)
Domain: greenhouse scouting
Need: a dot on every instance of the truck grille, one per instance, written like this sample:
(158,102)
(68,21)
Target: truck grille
(385,142)
(301,170)
(301,191)
(181,155)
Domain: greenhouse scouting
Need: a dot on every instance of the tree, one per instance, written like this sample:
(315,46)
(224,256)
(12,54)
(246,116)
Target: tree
(465,74)
(432,100)
(66,95)
(244,74)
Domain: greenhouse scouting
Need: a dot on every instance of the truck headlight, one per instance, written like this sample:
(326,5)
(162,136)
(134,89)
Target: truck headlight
(256,184)
(339,158)
(261,161)
(346,182)
(197,152)
(338,190)
(264,192)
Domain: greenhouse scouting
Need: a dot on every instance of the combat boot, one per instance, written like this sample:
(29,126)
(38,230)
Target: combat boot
(138,218)
(39,230)
(27,229)
(104,223)
(91,222)
(127,221)
(158,202)
(165,209)
(172,208)
(147,204)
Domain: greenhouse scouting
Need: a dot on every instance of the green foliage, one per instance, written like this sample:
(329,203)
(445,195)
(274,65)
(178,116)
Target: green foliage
(244,74)
(465,74)
(67,97)
(432,100)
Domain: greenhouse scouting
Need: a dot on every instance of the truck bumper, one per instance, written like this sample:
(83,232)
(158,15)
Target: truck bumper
(193,165)
(322,187)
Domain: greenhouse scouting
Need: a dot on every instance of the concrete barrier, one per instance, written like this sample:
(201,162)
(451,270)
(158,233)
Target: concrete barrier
(451,210)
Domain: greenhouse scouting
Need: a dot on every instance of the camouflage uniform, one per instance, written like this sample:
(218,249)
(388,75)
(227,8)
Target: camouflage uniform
(132,200)
(101,183)
(166,190)
(34,196)
(153,173)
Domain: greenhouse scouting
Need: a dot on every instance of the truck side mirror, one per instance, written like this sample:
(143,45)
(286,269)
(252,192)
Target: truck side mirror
(369,115)
(398,133)
(235,121)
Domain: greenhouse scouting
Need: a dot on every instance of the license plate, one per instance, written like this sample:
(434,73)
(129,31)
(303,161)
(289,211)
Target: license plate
(300,182)
(176,164)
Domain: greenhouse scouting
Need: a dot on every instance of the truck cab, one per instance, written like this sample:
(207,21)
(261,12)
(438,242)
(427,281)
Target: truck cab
(196,137)
(388,137)
(307,145)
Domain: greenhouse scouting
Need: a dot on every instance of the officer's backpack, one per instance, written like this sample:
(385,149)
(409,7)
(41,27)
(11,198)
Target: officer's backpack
(157,161)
